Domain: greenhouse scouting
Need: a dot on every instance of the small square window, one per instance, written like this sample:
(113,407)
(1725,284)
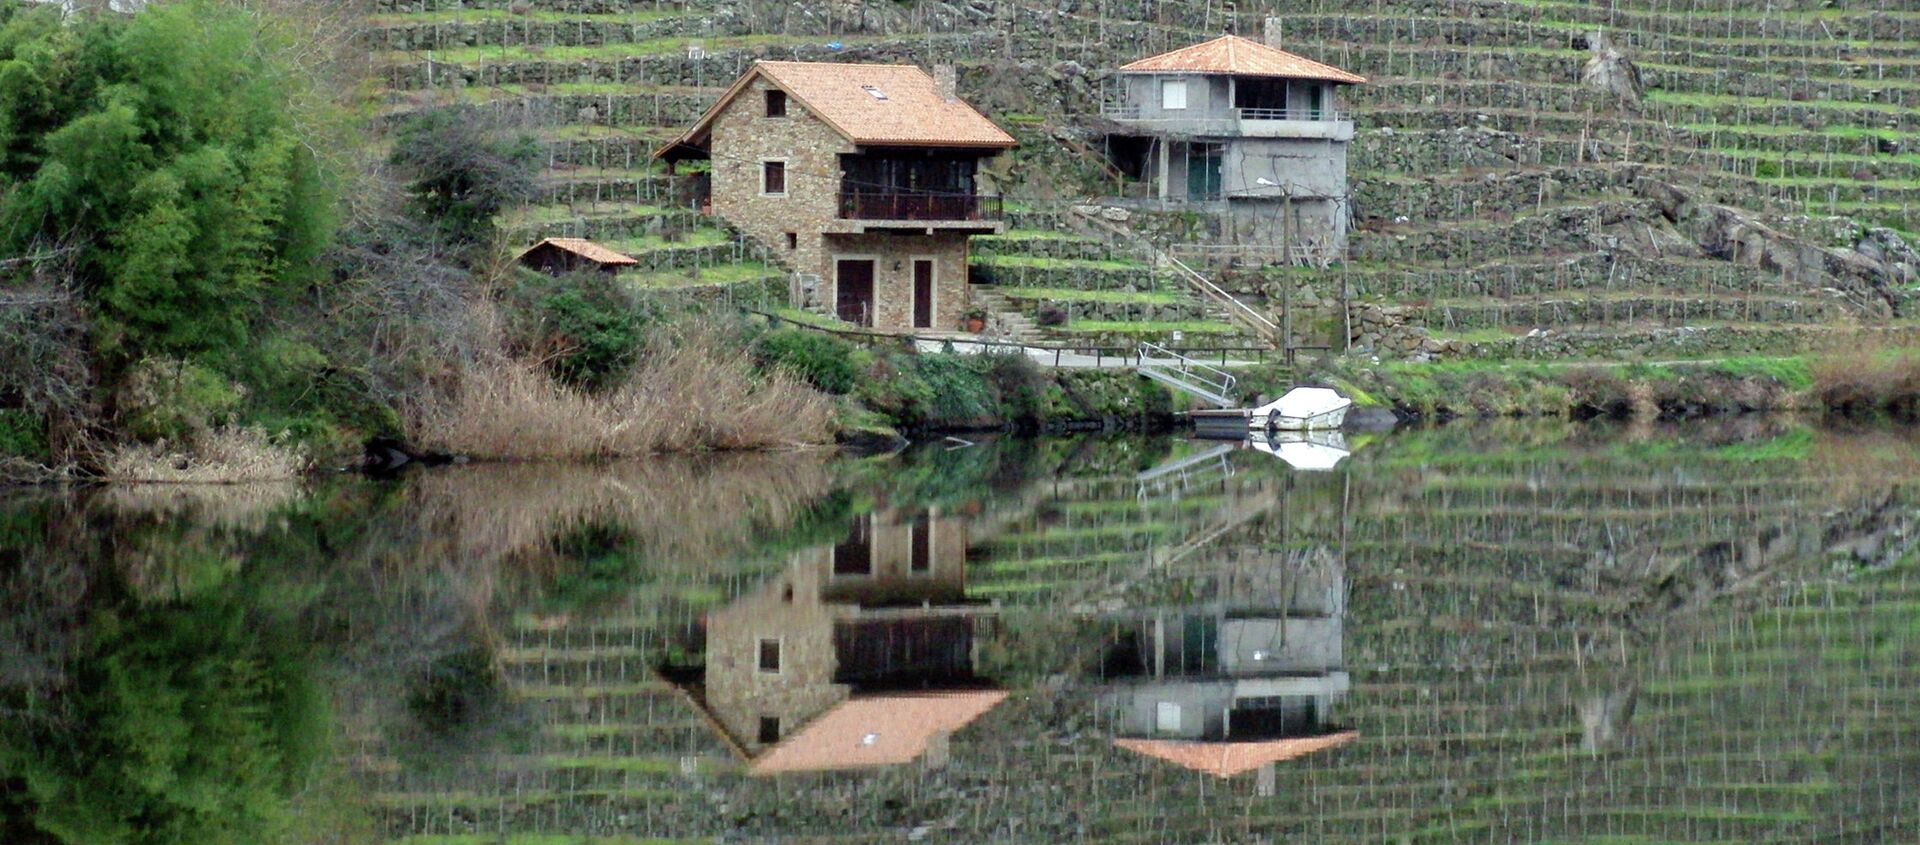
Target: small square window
(776,104)
(773,177)
(770,656)
(1173,94)
(793,240)
(769,729)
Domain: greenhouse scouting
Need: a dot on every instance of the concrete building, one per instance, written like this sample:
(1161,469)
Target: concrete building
(860,177)
(860,654)
(1238,128)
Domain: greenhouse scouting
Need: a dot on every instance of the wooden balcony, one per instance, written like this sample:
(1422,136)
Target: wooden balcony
(923,209)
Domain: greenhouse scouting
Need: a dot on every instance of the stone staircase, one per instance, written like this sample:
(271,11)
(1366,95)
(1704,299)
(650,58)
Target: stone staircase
(1011,324)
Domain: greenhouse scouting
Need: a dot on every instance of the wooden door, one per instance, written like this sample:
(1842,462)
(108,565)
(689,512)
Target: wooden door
(853,286)
(922,293)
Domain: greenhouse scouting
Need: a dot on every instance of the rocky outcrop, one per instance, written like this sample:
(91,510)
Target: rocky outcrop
(1611,71)
(1865,271)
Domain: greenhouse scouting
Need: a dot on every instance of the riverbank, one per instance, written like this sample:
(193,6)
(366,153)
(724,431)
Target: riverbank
(1867,383)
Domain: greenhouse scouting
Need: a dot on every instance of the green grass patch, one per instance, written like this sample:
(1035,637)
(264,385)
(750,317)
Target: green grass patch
(1152,326)
(535,15)
(715,274)
(1071,295)
(1041,262)
(1793,373)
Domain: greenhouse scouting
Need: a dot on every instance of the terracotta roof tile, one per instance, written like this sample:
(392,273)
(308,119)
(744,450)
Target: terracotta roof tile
(1226,759)
(1241,57)
(876,730)
(913,112)
(585,249)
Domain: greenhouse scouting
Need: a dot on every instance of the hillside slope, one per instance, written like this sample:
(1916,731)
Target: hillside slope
(1756,194)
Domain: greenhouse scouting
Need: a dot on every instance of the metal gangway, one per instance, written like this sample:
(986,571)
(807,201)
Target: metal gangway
(1200,380)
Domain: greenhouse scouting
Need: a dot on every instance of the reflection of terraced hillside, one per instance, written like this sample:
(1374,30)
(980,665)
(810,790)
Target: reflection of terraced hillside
(1545,638)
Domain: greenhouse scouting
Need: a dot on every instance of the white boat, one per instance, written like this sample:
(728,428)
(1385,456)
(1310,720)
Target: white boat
(1302,409)
(1309,451)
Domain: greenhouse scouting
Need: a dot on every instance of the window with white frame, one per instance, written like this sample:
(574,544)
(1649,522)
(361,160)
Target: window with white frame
(1173,94)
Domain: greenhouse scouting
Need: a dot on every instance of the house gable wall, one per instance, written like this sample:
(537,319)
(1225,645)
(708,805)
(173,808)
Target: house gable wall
(743,137)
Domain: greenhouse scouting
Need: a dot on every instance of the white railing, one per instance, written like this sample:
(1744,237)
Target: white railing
(1114,110)
(1241,312)
(1207,377)
(1322,115)
(1302,255)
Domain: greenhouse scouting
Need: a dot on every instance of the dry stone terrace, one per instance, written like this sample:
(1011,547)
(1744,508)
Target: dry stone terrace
(1475,118)
(1500,597)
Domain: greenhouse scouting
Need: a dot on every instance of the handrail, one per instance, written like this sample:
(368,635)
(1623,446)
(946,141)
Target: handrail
(1244,312)
(1124,352)
(1206,375)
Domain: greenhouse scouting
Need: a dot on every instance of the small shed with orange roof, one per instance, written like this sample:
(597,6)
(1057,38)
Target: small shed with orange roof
(559,256)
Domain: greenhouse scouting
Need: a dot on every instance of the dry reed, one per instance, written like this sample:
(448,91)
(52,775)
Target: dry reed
(226,455)
(690,510)
(696,393)
(1869,380)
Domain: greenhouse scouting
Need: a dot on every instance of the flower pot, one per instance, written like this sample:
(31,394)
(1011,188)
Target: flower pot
(976,324)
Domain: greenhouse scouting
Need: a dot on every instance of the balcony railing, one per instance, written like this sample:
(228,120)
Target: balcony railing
(1291,114)
(918,205)
(1124,111)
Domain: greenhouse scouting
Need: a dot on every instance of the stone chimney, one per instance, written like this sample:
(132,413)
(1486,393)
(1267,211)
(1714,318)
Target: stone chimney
(944,82)
(1272,30)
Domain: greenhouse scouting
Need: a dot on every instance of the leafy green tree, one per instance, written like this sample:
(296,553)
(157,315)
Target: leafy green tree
(461,171)
(162,155)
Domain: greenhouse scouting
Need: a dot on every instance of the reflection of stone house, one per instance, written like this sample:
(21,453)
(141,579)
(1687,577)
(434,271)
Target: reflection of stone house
(860,177)
(860,654)
(1242,128)
(1247,680)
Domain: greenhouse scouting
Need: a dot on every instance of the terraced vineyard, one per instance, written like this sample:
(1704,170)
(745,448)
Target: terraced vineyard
(1496,193)
(1554,635)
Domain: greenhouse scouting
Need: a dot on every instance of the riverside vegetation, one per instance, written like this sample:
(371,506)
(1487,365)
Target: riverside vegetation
(237,239)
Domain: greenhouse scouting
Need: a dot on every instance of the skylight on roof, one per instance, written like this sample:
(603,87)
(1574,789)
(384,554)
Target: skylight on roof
(877,93)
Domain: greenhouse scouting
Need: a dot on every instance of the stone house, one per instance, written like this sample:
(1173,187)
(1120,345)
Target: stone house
(860,177)
(1242,129)
(859,654)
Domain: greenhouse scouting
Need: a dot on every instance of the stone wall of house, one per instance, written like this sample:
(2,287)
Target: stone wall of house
(744,137)
(893,257)
(790,609)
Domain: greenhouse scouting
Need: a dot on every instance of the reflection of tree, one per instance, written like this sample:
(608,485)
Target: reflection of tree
(188,722)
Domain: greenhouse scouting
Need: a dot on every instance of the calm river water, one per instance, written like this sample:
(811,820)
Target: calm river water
(1540,632)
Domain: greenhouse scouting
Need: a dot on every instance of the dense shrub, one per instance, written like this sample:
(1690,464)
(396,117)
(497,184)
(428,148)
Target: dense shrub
(160,153)
(461,170)
(21,434)
(825,361)
(594,335)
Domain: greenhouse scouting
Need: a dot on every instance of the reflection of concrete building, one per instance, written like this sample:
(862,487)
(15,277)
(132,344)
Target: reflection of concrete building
(1248,679)
(860,654)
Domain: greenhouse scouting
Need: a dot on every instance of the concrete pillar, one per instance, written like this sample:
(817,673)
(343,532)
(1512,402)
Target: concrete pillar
(1263,785)
(1166,157)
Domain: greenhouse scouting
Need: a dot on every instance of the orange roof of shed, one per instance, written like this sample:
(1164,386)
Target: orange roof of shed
(1240,57)
(1226,759)
(585,249)
(876,730)
(912,113)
